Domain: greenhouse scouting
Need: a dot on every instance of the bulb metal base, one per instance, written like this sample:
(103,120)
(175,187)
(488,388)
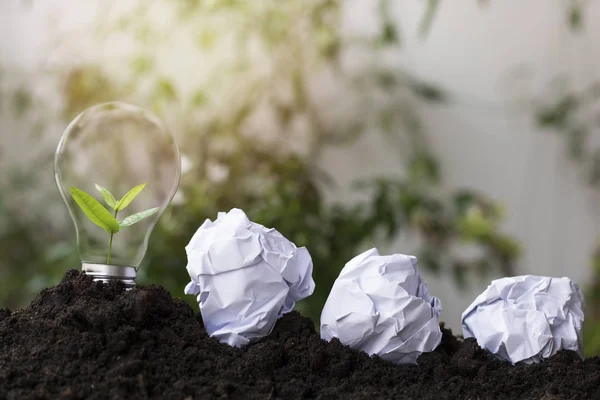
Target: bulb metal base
(105,273)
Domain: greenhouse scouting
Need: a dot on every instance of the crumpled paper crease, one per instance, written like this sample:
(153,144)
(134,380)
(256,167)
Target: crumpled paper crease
(246,276)
(527,318)
(380,304)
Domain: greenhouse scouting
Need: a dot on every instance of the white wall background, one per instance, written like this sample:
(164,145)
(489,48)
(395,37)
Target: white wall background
(484,138)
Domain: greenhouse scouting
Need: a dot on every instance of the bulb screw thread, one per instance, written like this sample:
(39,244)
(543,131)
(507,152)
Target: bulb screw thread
(106,272)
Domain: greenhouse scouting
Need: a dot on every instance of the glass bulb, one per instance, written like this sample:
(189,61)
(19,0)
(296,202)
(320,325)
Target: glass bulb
(117,168)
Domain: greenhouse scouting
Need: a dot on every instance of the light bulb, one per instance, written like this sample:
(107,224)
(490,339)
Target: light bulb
(117,168)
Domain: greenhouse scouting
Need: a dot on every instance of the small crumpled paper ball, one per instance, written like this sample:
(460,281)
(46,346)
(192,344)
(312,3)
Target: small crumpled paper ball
(246,276)
(527,318)
(380,305)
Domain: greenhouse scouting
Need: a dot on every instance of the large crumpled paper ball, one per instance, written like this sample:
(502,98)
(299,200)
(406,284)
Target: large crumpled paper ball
(380,304)
(246,276)
(527,318)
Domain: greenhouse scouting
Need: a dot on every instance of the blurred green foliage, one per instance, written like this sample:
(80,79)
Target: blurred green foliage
(276,50)
(276,186)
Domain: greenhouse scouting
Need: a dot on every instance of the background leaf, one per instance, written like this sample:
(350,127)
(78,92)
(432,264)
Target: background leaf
(137,217)
(95,211)
(128,198)
(107,196)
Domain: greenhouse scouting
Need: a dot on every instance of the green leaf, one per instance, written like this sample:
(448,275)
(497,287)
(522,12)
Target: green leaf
(430,11)
(132,219)
(22,101)
(128,198)
(95,211)
(389,35)
(107,196)
(430,260)
(576,18)
(424,168)
(463,201)
(165,90)
(459,272)
(198,99)
(142,64)
(428,92)
(207,39)
(558,115)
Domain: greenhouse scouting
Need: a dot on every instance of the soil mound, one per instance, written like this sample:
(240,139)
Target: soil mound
(85,340)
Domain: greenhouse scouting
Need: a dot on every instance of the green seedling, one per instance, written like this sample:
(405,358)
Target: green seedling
(100,216)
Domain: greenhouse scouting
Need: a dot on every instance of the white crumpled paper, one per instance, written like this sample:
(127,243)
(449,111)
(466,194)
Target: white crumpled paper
(379,304)
(246,276)
(527,318)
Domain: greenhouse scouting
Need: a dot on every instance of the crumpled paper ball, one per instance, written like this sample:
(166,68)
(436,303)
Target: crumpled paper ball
(380,305)
(527,318)
(246,276)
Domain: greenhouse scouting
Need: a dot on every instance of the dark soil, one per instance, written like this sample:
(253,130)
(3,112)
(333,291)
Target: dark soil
(83,339)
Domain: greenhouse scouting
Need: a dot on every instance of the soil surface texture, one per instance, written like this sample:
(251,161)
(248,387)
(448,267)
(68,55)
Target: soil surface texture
(88,340)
